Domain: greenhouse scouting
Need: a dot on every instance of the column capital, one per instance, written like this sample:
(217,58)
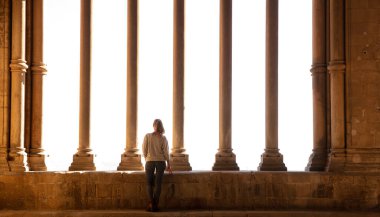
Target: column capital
(317,69)
(18,65)
(39,69)
(336,66)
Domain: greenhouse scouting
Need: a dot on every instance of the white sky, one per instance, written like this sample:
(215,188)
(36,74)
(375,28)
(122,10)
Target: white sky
(61,102)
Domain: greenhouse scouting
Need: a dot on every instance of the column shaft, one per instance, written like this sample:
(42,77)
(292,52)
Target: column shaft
(337,69)
(225,159)
(179,159)
(17,155)
(84,159)
(4,85)
(130,159)
(28,79)
(36,157)
(317,160)
(271,159)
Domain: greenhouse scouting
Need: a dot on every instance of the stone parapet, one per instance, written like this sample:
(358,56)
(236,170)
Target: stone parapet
(187,213)
(191,190)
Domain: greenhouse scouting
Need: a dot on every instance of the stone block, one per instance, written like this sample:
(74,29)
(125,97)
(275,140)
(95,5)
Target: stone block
(258,190)
(280,177)
(135,177)
(303,190)
(133,190)
(198,214)
(102,203)
(261,177)
(373,14)
(321,203)
(291,191)
(359,4)
(297,203)
(274,190)
(229,214)
(347,179)
(104,190)
(373,4)
(276,203)
(359,16)
(322,191)
(373,181)
(299,178)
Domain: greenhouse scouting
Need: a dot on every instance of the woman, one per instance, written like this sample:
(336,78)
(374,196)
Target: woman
(156,152)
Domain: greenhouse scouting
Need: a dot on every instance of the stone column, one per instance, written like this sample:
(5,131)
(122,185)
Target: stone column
(4,83)
(28,79)
(18,67)
(84,158)
(271,159)
(36,156)
(131,159)
(337,70)
(317,160)
(179,158)
(225,159)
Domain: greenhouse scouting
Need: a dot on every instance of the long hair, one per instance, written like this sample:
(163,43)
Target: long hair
(160,126)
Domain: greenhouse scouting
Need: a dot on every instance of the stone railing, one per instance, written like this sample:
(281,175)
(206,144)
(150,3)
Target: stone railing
(191,190)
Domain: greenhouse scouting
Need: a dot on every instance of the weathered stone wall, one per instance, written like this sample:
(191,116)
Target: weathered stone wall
(363,79)
(193,190)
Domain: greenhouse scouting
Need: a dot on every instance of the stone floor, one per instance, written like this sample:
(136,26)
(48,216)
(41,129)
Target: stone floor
(187,213)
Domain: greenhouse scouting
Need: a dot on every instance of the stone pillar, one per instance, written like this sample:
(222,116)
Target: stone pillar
(271,159)
(337,70)
(28,79)
(178,157)
(17,155)
(84,158)
(131,159)
(225,159)
(317,160)
(36,156)
(4,83)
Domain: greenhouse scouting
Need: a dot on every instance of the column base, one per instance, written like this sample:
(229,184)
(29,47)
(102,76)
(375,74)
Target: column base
(82,162)
(271,161)
(336,160)
(17,161)
(317,161)
(37,162)
(225,161)
(130,162)
(362,160)
(4,167)
(180,162)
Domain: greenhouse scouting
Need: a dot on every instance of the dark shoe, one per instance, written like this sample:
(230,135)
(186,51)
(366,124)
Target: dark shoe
(149,208)
(155,207)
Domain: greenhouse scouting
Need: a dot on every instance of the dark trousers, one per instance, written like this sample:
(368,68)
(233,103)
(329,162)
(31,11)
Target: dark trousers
(154,180)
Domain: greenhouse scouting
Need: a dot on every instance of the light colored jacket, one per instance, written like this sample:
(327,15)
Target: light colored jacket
(155,148)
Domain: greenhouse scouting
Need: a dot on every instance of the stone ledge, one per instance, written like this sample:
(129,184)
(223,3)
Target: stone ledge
(205,190)
(189,213)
